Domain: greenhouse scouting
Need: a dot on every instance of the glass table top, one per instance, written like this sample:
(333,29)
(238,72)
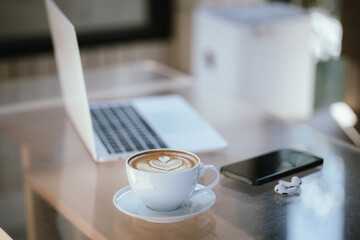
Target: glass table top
(50,188)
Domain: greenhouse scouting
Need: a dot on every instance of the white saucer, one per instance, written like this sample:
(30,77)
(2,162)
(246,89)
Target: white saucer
(126,201)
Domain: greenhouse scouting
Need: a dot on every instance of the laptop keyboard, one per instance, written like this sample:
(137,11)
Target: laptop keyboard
(121,129)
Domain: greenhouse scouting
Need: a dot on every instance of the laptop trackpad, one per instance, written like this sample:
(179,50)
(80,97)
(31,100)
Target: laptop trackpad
(179,124)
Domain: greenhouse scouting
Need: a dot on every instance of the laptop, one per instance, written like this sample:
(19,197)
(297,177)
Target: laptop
(113,130)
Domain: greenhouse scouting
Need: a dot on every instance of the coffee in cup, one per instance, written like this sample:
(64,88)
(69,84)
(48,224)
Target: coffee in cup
(164,179)
(163,161)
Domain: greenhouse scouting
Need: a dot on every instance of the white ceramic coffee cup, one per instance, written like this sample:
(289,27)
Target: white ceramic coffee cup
(167,191)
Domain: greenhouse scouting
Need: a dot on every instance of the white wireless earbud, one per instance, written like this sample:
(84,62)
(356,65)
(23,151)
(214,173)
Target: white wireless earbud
(286,183)
(282,189)
(295,182)
(288,188)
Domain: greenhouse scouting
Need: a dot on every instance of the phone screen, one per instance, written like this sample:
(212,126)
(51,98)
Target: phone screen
(270,166)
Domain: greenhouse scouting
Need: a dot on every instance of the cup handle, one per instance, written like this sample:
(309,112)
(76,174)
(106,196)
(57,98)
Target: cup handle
(202,171)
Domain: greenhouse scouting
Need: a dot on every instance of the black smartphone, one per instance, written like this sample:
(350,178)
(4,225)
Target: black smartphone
(271,166)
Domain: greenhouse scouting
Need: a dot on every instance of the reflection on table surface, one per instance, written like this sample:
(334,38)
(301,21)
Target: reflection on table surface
(67,195)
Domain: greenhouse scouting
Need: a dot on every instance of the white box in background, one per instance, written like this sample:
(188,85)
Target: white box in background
(258,52)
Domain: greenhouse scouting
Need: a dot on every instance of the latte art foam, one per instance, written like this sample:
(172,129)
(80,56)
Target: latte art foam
(163,163)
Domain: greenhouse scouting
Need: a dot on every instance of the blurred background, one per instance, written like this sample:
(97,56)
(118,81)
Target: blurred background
(113,32)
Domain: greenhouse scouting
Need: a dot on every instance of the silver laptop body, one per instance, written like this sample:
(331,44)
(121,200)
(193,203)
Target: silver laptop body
(112,130)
